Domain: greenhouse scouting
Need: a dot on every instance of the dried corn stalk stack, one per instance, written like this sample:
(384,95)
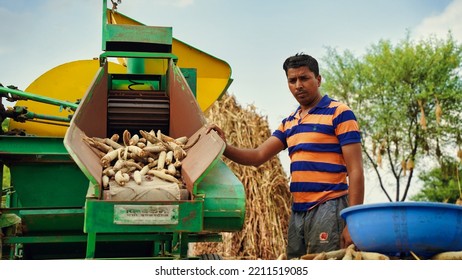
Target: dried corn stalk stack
(264,235)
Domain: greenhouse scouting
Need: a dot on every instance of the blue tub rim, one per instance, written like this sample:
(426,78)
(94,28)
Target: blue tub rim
(407,204)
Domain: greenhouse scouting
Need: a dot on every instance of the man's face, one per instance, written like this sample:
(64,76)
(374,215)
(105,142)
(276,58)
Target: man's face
(303,84)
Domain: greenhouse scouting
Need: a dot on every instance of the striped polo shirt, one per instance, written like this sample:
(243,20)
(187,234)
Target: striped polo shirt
(318,170)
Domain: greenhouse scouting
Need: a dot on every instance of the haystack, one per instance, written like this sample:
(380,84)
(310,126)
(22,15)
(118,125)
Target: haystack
(264,235)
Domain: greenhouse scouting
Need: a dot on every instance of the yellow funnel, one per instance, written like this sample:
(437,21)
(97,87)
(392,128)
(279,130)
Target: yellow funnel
(67,82)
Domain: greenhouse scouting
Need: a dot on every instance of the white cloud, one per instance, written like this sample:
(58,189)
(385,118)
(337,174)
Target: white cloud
(183,3)
(439,25)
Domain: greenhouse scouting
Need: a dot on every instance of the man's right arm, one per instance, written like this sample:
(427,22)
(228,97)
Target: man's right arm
(250,156)
(254,156)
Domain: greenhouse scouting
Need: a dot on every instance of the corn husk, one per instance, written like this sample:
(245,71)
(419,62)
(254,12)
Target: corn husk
(379,160)
(423,120)
(438,112)
(410,164)
(404,167)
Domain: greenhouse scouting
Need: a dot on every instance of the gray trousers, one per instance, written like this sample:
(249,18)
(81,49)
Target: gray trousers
(318,230)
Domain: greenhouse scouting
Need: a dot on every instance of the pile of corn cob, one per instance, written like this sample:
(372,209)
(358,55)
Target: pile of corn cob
(138,157)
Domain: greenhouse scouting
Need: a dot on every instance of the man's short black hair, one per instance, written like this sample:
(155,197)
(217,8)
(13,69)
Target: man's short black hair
(299,60)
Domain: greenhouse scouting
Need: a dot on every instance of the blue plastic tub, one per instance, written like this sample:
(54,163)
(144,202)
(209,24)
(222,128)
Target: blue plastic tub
(397,228)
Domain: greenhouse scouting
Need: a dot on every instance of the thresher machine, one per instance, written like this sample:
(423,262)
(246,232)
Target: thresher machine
(54,205)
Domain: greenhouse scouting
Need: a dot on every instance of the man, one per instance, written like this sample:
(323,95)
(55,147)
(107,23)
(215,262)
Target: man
(324,145)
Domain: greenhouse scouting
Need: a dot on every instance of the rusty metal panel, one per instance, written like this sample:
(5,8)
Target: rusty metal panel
(90,120)
(186,117)
(201,157)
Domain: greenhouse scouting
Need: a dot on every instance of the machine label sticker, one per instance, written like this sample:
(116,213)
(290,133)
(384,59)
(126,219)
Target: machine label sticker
(146,214)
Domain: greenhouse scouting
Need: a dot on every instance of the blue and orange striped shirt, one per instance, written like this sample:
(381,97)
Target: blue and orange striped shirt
(318,170)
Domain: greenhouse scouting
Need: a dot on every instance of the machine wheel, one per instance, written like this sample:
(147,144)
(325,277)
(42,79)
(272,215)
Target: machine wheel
(210,257)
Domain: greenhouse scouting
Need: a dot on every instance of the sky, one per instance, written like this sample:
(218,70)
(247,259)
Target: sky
(253,37)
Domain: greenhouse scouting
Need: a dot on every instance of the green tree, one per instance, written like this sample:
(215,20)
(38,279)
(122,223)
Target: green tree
(442,184)
(408,100)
